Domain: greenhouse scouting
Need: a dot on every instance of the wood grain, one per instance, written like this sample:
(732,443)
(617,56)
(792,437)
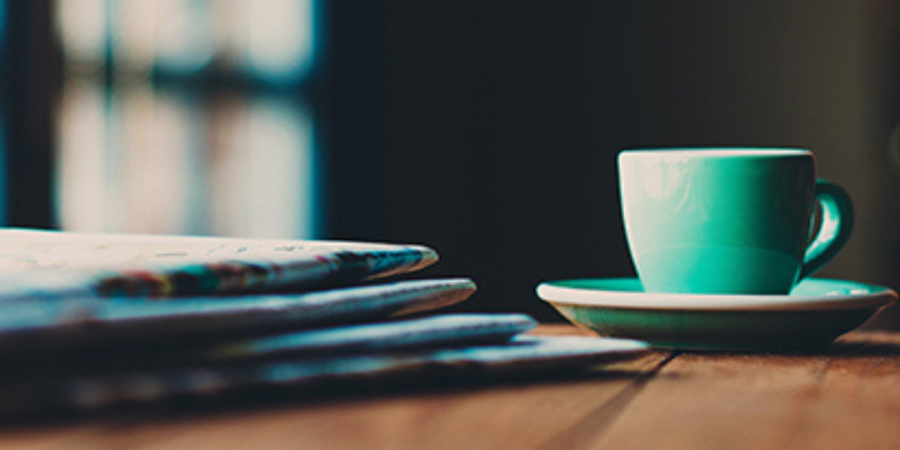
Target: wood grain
(847,397)
(510,417)
(515,416)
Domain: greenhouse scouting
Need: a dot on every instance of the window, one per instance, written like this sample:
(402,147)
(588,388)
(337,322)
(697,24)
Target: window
(189,117)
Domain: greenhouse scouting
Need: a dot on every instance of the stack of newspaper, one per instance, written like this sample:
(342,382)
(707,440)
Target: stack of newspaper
(93,321)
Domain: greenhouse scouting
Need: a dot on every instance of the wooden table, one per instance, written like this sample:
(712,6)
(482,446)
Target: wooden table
(846,398)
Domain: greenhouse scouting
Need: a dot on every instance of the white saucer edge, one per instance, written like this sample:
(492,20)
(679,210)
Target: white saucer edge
(881,297)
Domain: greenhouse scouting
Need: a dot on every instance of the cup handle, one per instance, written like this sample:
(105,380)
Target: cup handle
(835,228)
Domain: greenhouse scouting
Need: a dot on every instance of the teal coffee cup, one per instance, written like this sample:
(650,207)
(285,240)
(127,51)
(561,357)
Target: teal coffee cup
(729,220)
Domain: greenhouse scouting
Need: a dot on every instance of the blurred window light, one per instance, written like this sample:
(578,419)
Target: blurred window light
(82,27)
(230,152)
(81,178)
(274,47)
(161,167)
(270,40)
(183,35)
(264,161)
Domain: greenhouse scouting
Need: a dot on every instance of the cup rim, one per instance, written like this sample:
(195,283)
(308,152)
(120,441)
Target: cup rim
(716,152)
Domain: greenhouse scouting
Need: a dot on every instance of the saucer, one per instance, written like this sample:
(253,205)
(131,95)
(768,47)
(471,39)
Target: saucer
(813,315)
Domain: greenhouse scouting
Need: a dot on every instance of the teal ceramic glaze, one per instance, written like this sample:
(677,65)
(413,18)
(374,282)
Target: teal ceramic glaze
(728,220)
(813,316)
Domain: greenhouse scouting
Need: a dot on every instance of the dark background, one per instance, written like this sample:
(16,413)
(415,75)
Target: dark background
(488,130)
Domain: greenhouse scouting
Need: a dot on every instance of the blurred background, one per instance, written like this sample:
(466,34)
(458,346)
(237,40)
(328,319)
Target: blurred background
(487,130)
